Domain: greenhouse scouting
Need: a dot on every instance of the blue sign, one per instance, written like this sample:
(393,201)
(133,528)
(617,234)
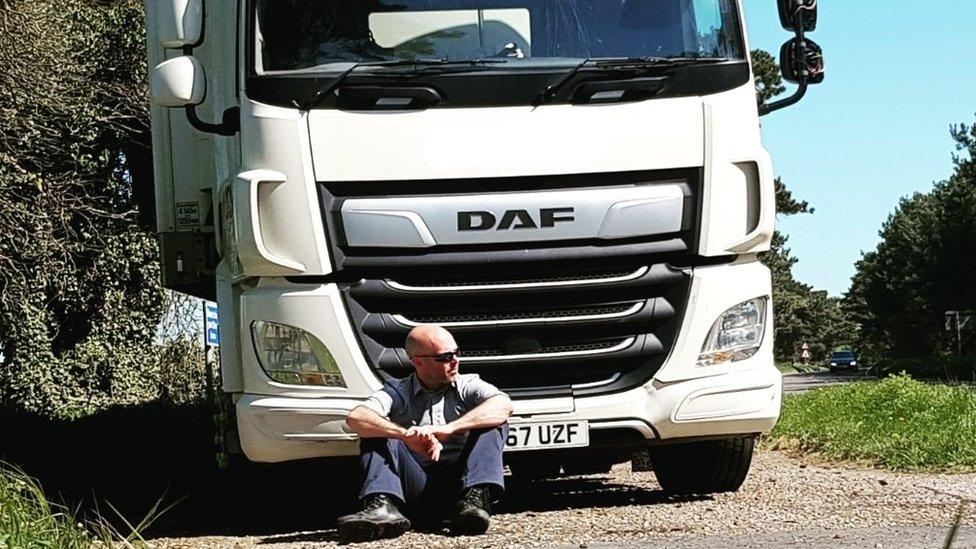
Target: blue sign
(211,324)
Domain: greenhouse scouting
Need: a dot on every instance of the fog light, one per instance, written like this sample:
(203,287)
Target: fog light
(293,356)
(736,335)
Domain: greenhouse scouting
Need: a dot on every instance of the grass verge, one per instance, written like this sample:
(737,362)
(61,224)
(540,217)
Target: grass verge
(796,367)
(29,519)
(897,423)
(786,367)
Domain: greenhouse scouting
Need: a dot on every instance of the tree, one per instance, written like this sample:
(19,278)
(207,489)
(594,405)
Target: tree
(769,81)
(80,296)
(922,266)
(802,314)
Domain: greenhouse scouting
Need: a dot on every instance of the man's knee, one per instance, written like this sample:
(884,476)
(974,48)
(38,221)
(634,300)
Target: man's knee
(487,439)
(501,430)
(499,433)
(385,446)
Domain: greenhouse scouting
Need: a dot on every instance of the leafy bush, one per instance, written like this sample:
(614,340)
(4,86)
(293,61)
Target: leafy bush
(898,423)
(80,295)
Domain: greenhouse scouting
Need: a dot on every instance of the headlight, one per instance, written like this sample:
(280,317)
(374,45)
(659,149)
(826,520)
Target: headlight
(833,364)
(293,356)
(736,335)
(853,363)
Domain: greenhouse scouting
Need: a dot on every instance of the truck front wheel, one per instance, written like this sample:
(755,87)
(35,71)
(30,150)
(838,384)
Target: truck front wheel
(706,467)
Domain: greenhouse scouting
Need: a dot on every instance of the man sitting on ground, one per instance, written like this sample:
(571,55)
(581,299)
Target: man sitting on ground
(435,436)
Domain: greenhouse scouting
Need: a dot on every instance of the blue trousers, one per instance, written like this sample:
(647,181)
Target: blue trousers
(392,469)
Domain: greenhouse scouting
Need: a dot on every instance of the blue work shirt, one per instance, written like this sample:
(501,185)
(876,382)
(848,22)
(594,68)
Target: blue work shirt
(408,404)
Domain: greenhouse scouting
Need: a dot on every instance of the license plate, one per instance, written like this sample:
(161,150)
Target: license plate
(543,436)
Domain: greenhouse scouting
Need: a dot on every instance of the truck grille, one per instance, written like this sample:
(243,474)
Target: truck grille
(535,319)
(532,339)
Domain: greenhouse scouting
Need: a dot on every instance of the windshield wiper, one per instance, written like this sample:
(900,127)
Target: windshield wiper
(439,66)
(313,100)
(620,64)
(420,66)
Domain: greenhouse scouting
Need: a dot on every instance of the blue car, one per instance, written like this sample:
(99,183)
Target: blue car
(842,360)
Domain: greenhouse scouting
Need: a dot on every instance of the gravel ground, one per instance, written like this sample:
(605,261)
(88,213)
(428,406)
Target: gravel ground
(783,499)
(898,537)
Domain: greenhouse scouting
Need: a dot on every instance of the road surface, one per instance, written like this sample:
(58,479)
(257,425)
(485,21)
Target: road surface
(799,383)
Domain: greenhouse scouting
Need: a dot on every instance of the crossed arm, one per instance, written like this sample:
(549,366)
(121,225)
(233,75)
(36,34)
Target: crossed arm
(427,440)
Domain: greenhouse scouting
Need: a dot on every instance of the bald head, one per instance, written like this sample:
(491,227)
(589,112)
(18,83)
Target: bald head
(429,339)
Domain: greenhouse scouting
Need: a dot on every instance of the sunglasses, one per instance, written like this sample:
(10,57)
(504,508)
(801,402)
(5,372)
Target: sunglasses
(443,357)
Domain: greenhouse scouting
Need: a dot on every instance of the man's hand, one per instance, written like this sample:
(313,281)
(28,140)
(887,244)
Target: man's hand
(440,432)
(421,442)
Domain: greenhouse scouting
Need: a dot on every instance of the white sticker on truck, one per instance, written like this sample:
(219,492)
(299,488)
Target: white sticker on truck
(187,215)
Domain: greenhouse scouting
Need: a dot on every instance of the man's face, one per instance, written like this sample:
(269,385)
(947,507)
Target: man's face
(432,368)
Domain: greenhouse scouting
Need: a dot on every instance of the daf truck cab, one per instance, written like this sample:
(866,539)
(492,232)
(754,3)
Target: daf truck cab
(577,190)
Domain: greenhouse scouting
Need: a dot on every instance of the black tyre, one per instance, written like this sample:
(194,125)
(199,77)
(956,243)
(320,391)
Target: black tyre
(833,370)
(706,467)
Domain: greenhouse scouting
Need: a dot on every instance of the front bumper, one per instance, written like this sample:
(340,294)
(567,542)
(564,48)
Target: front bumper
(681,401)
(275,429)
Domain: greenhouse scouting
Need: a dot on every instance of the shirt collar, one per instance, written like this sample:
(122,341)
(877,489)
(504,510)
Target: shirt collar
(416,386)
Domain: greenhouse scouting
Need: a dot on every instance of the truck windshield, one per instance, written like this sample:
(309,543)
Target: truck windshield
(327,35)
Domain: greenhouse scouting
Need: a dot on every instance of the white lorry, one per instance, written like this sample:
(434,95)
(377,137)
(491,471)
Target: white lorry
(576,189)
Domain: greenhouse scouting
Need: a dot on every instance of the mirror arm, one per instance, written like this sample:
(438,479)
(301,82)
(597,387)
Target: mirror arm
(801,90)
(229,126)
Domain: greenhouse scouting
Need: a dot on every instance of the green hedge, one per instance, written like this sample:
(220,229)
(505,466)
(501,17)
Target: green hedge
(944,368)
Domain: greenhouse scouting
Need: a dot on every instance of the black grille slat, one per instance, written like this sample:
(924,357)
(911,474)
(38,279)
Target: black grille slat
(552,349)
(534,375)
(651,284)
(579,347)
(443,258)
(386,330)
(504,279)
(521,315)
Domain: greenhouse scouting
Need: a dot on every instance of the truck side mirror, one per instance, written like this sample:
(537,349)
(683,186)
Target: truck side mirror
(801,59)
(179,82)
(180,22)
(793,12)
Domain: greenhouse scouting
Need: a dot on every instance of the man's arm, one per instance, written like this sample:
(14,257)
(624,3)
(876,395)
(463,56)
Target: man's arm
(368,424)
(490,413)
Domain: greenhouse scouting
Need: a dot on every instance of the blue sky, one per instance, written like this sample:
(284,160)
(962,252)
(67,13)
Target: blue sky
(877,129)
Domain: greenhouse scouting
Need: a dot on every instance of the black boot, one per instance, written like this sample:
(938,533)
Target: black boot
(379,519)
(472,513)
